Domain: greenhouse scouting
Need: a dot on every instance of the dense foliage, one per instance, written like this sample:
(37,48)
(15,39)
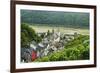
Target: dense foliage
(54,18)
(77,49)
(28,35)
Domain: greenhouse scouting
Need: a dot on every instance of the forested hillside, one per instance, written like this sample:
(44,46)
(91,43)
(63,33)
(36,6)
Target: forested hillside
(53,18)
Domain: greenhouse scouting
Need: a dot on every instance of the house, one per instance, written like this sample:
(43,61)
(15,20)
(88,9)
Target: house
(28,54)
(33,55)
(33,45)
(40,48)
(25,55)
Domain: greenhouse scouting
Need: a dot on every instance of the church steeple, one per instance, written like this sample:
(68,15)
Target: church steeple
(53,31)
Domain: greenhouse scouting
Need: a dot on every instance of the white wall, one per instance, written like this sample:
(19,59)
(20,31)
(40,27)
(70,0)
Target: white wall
(5,36)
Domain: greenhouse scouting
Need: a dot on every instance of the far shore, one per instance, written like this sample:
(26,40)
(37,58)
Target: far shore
(40,29)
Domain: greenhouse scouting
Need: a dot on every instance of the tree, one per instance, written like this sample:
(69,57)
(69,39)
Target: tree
(28,35)
(24,40)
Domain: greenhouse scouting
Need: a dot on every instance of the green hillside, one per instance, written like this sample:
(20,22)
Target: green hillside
(54,18)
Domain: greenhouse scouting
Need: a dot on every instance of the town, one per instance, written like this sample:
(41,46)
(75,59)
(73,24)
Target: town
(52,42)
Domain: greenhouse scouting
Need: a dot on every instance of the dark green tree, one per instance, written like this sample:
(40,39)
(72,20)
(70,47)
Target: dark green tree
(28,35)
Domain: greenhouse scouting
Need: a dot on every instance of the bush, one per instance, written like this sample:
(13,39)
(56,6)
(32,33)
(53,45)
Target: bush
(85,53)
(54,56)
(45,59)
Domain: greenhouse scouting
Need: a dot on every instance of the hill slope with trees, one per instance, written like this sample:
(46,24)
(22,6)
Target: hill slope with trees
(54,18)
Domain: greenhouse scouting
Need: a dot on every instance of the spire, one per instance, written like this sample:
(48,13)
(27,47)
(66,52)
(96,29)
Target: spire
(53,31)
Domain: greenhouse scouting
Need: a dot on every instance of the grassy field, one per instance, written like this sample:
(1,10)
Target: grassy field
(61,29)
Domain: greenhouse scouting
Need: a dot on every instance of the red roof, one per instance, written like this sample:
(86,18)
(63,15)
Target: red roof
(34,55)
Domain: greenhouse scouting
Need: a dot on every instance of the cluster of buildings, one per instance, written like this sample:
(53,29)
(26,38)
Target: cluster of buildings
(53,42)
